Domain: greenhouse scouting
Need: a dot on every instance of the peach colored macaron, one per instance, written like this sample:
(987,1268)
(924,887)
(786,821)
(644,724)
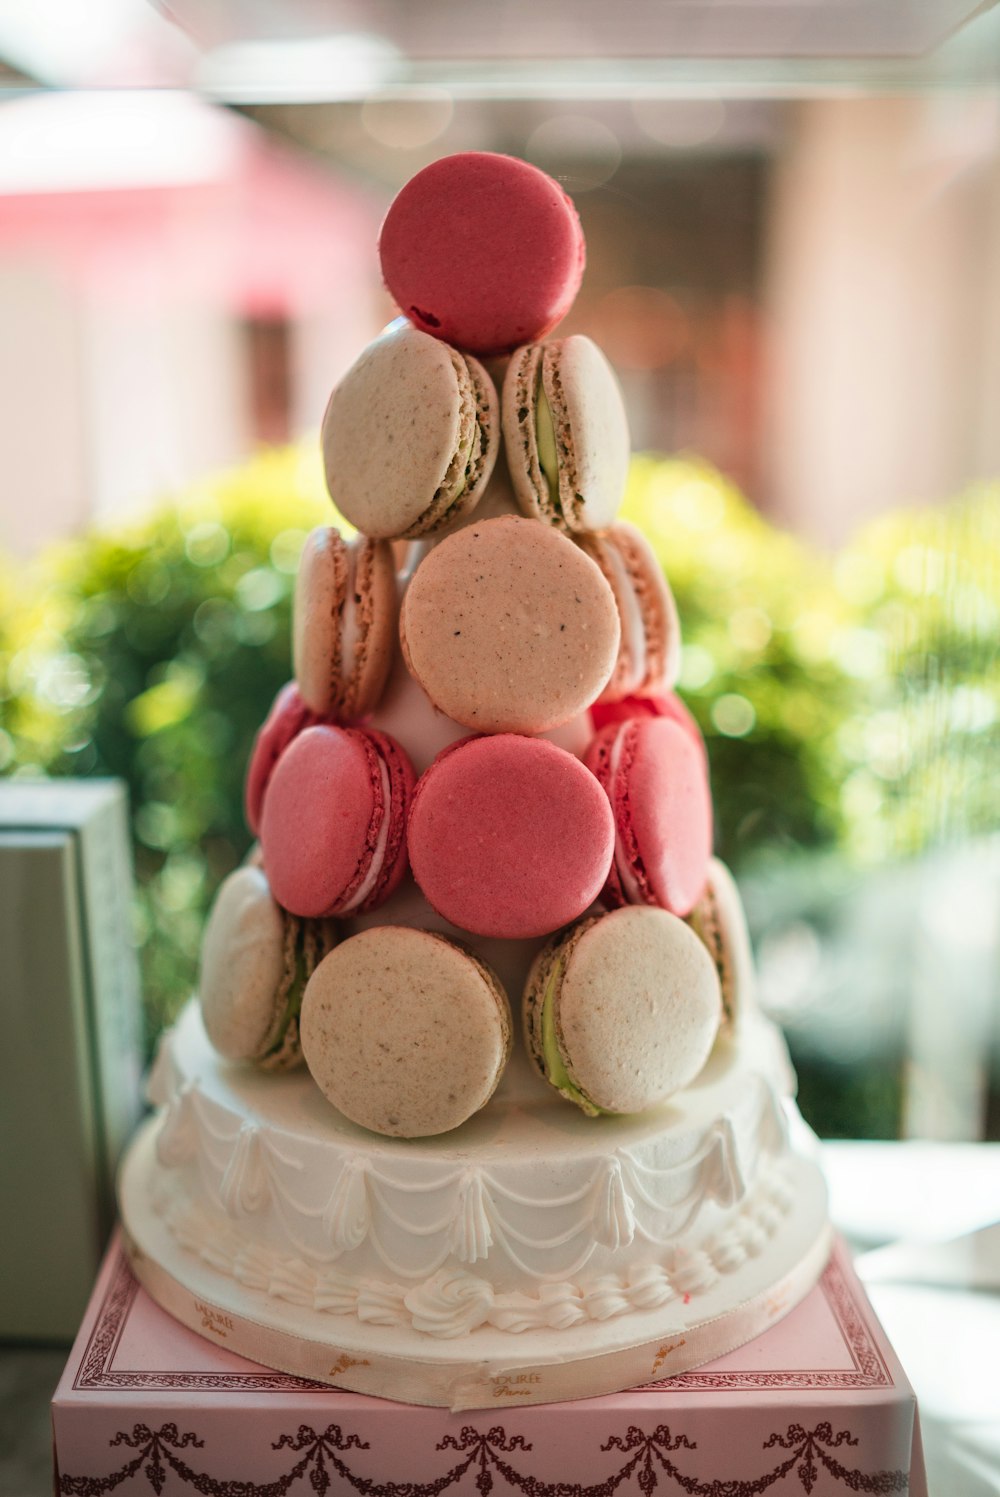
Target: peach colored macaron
(345,623)
(509,627)
(650,651)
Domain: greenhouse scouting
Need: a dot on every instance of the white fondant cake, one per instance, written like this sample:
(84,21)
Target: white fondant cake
(525,1235)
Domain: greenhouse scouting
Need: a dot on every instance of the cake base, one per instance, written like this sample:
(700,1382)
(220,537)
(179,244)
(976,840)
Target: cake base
(535,1366)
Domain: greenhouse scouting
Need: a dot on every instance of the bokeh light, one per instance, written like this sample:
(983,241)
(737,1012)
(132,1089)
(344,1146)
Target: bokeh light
(576,149)
(408,124)
(680,124)
(640,327)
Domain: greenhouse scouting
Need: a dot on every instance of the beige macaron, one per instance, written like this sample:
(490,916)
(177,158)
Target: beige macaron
(405,1032)
(345,623)
(509,627)
(255,961)
(565,433)
(621,1010)
(718,918)
(410,435)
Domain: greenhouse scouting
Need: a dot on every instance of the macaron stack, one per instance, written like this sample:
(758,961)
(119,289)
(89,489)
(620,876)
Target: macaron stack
(493,726)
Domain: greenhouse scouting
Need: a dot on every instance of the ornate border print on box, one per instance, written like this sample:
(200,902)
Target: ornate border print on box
(318,1465)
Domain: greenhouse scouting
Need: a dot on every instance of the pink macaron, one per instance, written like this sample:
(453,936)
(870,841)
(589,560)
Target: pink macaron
(288,717)
(509,836)
(656,779)
(483,251)
(334,820)
(666,704)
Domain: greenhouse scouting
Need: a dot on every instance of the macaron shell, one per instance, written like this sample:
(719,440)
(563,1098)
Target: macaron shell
(390,861)
(345,623)
(667,704)
(655,776)
(650,651)
(509,836)
(518,397)
(719,920)
(324,808)
(591,433)
(591,430)
(637,1009)
(242,966)
(404,1032)
(400,430)
(482,250)
(509,627)
(288,716)
(508,960)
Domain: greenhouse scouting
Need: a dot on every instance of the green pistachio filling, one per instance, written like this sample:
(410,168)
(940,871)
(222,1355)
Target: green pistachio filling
(555,1071)
(293,998)
(548,454)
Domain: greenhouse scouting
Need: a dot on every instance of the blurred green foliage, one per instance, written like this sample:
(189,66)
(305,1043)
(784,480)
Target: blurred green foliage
(764,638)
(922,748)
(153,651)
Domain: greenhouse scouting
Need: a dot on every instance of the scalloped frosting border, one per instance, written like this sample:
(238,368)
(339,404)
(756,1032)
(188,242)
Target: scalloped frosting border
(454,1302)
(248,1171)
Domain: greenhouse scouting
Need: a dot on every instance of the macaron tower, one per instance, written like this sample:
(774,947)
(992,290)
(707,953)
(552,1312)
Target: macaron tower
(522,604)
(537,1096)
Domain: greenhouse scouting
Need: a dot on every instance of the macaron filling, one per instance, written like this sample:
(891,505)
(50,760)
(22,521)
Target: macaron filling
(376,861)
(555,1068)
(706,922)
(349,636)
(306,942)
(548,451)
(465,472)
(628,863)
(630,673)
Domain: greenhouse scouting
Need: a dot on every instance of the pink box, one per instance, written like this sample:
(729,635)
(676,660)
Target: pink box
(819,1404)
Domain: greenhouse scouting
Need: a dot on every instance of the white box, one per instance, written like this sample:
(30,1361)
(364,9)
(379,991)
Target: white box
(71,1061)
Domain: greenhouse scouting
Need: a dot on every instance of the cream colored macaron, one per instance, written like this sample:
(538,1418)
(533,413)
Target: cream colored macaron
(410,435)
(255,961)
(718,918)
(621,1010)
(565,433)
(405,1032)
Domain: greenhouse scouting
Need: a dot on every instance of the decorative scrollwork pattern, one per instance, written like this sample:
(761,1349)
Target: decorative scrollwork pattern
(648,1466)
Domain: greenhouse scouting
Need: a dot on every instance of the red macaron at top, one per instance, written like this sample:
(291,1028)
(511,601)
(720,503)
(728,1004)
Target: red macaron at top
(509,836)
(482,250)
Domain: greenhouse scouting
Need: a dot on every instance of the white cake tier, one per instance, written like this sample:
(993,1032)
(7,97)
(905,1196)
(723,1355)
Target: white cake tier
(560,1235)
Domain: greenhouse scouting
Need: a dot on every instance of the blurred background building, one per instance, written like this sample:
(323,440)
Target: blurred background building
(795,265)
(793,223)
